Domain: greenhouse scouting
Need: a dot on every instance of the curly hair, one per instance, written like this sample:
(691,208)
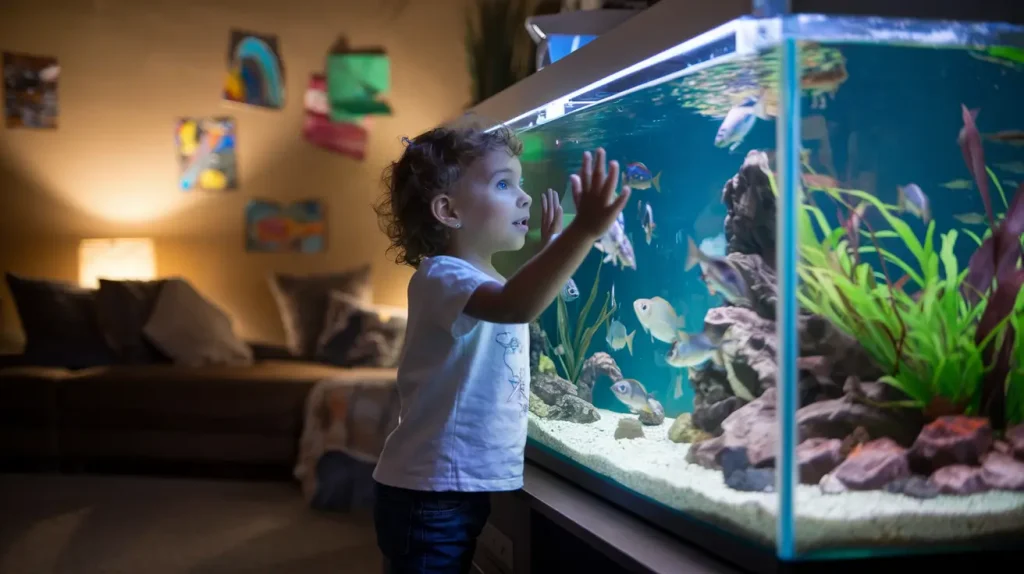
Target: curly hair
(430,165)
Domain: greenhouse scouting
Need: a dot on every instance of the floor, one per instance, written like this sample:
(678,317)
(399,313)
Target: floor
(87,524)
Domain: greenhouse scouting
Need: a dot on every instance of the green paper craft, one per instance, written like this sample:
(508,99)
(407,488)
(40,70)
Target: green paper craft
(354,81)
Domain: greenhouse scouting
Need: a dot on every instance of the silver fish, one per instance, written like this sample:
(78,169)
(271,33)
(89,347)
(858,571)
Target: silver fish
(691,351)
(911,199)
(616,246)
(648,223)
(569,292)
(632,394)
(738,122)
(719,274)
(970,218)
(658,318)
(617,338)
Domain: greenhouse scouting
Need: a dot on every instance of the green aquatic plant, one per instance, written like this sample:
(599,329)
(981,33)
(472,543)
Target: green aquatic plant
(937,344)
(574,342)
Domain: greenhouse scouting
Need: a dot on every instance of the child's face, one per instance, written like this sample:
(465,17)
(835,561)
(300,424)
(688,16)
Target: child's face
(492,208)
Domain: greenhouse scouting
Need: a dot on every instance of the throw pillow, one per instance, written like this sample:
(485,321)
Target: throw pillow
(60,323)
(358,335)
(124,308)
(302,303)
(192,331)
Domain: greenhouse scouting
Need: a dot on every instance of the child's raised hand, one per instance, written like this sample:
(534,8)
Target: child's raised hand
(594,191)
(551,216)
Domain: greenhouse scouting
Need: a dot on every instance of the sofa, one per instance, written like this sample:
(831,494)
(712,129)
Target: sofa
(220,406)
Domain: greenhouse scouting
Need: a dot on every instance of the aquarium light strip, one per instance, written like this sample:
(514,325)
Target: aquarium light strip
(712,35)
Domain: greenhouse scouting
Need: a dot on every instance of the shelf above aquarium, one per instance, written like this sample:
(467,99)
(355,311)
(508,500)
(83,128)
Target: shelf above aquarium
(679,37)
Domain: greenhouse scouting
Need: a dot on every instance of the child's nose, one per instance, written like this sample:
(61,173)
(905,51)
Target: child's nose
(524,200)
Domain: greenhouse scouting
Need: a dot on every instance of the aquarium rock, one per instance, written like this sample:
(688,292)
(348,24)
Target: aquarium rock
(713,400)
(816,457)
(574,409)
(838,418)
(599,365)
(829,484)
(858,437)
(705,452)
(629,428)
(959,479)
(1003,472)
(750,209)
(873,465)
(761,282)
(748,343)
(819,337)
(683,430)
(914,486)
(739,475)
(754,426)
(950,440)
(552,397)
(655,416)
(550,387)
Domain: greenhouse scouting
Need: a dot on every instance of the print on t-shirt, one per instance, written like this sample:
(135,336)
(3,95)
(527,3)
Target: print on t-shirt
(518,379)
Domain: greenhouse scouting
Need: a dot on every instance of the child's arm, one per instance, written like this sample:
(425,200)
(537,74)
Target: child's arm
(531,289)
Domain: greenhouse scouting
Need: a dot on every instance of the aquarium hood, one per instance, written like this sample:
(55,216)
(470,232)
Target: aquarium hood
(676,36)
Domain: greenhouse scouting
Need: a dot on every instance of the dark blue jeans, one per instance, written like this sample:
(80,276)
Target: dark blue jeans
(423,532)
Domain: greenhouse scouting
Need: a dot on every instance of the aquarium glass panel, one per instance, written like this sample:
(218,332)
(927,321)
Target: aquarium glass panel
(910,372)
(658,369)
(633,365)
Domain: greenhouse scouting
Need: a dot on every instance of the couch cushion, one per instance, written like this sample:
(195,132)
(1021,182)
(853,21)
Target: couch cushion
(192,331)
(60,322)
(28,411)
(302,302)
(123,309)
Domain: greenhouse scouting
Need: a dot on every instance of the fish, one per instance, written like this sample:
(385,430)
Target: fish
(658,318)
(819,181)
(691,351)
(648,223)
(1015,167)
(570,292)
(970,218)
(911,199)
(632,393)
(1010,183)
(617,338)
(958,184)
(719,274)
(637,176)
(1010,137)
(616,246)
(714,246)
(738,122)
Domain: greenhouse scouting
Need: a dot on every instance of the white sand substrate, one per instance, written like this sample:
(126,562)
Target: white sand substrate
(656,467)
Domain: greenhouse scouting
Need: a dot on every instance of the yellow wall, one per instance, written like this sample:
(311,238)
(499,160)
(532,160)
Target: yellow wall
(131,67)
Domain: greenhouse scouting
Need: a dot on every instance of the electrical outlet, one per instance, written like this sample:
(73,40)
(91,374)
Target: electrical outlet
(497,545)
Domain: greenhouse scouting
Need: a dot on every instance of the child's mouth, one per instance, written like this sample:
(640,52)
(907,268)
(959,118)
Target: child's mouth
(522,224)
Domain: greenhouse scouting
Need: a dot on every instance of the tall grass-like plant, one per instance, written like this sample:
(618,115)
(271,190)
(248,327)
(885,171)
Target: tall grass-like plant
(575,342)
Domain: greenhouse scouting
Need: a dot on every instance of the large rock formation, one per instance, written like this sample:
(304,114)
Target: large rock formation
(750,207)
(552,397)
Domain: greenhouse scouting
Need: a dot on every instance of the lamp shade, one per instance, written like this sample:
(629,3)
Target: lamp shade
(122,258)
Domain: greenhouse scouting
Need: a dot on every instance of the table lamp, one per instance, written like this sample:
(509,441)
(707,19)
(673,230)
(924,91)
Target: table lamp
(118,259)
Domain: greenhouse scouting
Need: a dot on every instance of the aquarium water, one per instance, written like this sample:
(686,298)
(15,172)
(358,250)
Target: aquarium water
(659,369)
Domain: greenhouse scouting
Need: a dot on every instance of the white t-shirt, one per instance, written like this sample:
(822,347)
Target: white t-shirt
(464,386)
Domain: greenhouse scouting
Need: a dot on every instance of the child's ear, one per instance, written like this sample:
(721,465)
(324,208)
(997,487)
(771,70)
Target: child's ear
(443,210)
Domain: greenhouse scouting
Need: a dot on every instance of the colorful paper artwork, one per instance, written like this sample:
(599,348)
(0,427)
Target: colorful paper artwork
(346,138)
(355,81)
(30,91)
(271,227)
(255,72)
(206,154)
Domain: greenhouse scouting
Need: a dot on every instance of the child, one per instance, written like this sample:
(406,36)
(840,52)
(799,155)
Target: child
(453,201)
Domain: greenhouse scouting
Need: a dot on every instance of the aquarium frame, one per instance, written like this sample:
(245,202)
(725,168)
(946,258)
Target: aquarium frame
(630,58)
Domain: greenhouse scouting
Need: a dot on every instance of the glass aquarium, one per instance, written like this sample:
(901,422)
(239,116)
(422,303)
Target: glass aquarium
(805,330)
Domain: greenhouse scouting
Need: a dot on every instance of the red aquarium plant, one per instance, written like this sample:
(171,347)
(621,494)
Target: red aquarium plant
(994,270)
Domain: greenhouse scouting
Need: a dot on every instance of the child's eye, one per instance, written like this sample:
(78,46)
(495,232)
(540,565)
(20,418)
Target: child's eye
(503,185)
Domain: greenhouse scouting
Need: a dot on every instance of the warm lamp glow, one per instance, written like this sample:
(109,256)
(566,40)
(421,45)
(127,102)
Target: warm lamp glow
(115,259)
